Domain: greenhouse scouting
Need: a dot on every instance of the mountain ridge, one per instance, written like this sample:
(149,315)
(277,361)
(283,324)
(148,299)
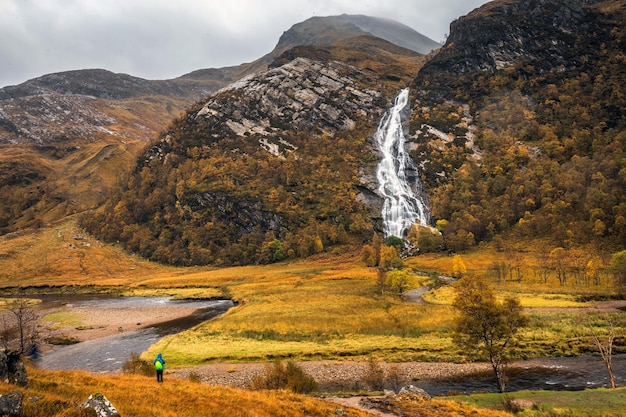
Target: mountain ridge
(54,123)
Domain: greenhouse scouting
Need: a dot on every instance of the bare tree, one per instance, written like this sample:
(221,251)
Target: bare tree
(19,325)
(604,344)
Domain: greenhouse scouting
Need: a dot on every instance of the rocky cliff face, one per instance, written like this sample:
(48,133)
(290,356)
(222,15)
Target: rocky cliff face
(300,96)
(549,35)
(546,40)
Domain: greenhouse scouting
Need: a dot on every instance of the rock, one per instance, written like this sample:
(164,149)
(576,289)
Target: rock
(522,403)
(11,404)
(12,369)
(100,405)
(413,390)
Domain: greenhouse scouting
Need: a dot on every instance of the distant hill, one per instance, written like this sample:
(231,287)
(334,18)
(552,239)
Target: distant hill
(327,30)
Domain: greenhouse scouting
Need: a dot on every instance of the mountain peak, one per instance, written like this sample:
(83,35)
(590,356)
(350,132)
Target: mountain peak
(329,29)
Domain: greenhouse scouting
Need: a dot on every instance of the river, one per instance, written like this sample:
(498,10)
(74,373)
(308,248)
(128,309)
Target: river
(562,374)
(108,354)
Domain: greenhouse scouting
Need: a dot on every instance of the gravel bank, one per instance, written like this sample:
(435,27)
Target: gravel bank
(331,375)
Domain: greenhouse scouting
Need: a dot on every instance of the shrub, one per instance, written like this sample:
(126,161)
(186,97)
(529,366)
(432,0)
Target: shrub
(374,375)
(281,376)
(135,365)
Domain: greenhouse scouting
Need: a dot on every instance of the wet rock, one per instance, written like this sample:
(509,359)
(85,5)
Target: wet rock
(100,405)
(11,404)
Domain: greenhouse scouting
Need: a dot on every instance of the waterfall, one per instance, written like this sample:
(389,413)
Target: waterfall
(398,179)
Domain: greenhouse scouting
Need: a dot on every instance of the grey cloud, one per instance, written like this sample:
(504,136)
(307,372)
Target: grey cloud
(164,39)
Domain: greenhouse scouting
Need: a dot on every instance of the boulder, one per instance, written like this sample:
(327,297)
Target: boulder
(100,405)
(12,368)
(413,390)
(11,404)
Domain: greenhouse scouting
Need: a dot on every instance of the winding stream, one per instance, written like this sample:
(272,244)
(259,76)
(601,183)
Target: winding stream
(108,354)
(549,374)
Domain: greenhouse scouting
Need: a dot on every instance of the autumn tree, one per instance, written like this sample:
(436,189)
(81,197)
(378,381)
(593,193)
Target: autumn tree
(399,281)
(458,266)
(389,258)
(618,268)
(486,327)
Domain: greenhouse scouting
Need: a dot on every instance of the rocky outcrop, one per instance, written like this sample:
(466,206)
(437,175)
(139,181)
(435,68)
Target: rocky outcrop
(100,405)
(12,369)
(301,96)
(542,33)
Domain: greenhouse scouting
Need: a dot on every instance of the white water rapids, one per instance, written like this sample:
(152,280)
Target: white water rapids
(397,175)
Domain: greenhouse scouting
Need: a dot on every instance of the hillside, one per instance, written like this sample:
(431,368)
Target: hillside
(269,168)
(519,125)
(65,137)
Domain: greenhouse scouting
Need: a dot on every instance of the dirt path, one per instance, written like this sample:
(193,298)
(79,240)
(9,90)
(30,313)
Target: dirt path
(356,402)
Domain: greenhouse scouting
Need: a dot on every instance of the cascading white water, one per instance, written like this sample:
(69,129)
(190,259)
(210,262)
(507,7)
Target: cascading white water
(397,176)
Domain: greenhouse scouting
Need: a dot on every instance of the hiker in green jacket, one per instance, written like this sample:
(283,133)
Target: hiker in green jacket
(159,364)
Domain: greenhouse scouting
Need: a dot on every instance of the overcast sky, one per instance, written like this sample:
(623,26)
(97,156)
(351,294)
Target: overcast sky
(159,39)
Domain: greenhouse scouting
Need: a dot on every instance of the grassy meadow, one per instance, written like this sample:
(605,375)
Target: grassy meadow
(588,403)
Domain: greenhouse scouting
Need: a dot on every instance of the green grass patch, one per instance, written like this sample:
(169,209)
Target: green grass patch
(587,403)
(59,319)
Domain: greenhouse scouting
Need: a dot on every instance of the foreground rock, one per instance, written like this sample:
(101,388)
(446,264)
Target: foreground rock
(12,369)
(11,404)
(100,405)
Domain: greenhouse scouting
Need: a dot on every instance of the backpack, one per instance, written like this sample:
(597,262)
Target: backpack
(158,365)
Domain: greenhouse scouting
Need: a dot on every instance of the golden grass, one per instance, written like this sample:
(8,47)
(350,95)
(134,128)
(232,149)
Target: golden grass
(310,310)
(134,395)
(59,393)
(445,296)
(63,255)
